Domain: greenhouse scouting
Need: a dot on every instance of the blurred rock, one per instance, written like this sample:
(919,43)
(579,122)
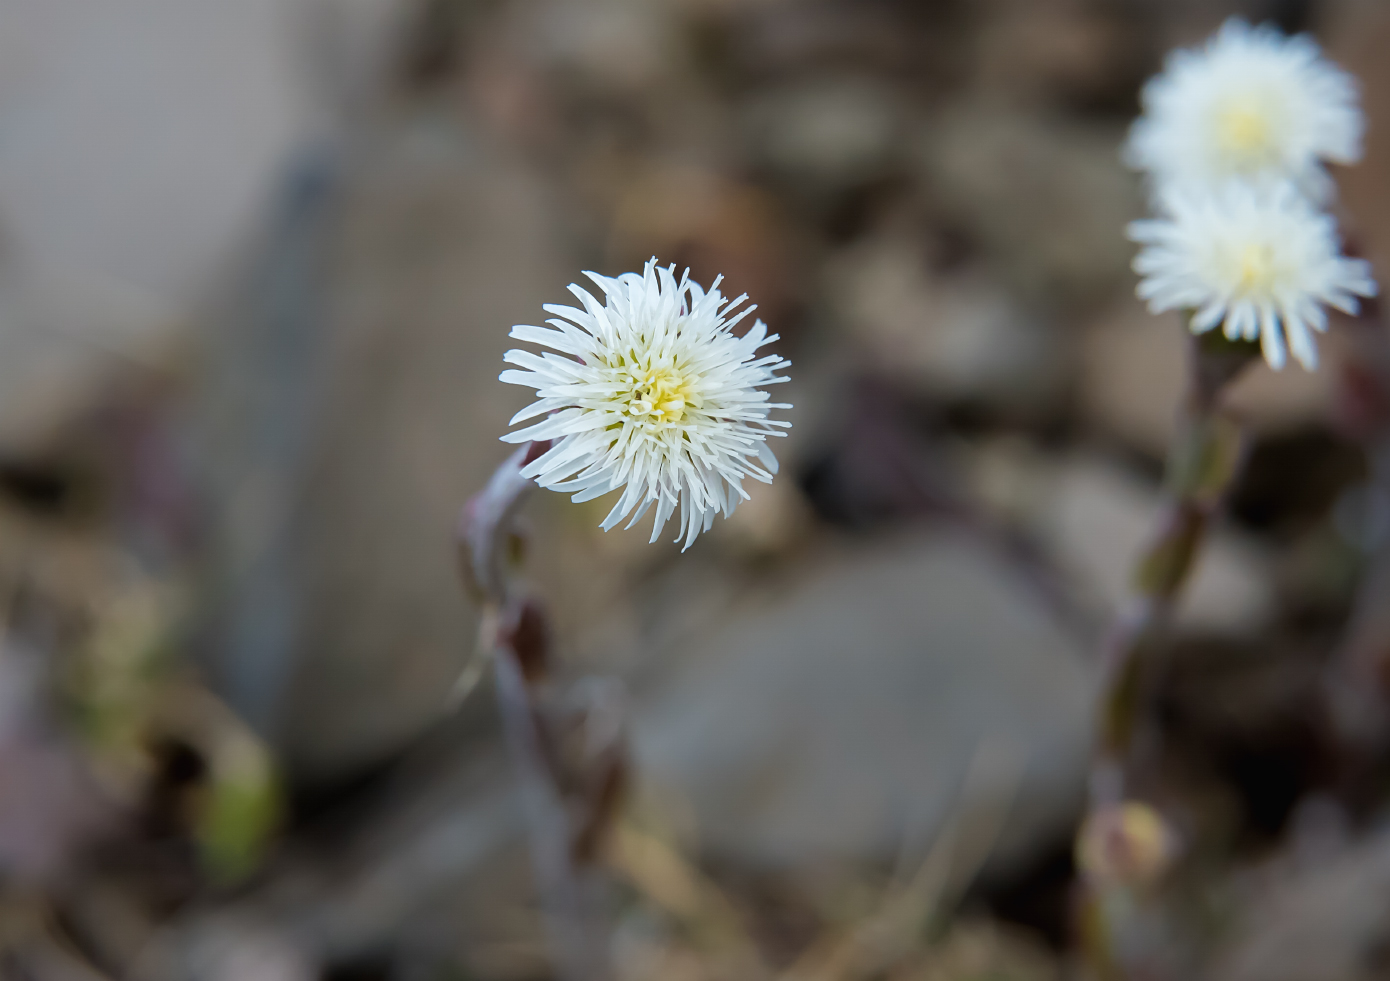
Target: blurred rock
(1096,519)
(622,44)
(827,133)
(1072,51)
(833,717)
(1133,378)
(1047,197)
(432,866)
(977,948)
(1356,34)
(775,520)
(1326,923)
(716,226)
(877,466)
(51,804)
(957,334)
(1273,402)
(778,39)
(229,949)
(351,407)
(1133,374)
(142,140)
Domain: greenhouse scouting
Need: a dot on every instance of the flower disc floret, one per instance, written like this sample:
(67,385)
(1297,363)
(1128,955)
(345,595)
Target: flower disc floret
(651,392)
(1252,104)
(1260,260)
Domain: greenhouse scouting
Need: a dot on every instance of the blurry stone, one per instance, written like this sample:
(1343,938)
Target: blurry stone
(876,466)
(979,948)
(712,224)
(35,947)
(775,519)
(619,43)
(63,337)
(351,406)
(1356,34)
(1096,519)
(50,804)
(641,951)
(827,133)
(1133,378)
(835,716)
(1274,402)
(1327,922)
(1320,830)
(142,140)
(1007,475)
(228,948)
(1047,197)
(921,42)
(509,93)
(434,862)
(116,930)
(957,334)
(1133,374)
(1035,51)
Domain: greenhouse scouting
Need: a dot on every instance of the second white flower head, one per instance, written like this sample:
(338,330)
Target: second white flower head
(1259,259)
(656,395)
(1252,104)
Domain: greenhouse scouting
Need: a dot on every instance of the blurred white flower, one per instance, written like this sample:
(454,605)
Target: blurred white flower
(1252,104)
(1261,260)
(658,396)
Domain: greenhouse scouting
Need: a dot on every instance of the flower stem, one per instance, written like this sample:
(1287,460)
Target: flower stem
(514,633)
(1203,461)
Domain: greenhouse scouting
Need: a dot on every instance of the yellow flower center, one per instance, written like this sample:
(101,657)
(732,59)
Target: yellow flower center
(1245,133)
(661,394)
(1258,269)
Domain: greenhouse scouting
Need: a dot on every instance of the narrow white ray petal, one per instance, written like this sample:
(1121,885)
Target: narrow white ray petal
(1301,343)
(1272,343)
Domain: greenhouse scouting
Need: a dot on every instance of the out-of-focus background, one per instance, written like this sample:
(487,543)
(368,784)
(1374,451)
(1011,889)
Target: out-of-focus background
(258,261)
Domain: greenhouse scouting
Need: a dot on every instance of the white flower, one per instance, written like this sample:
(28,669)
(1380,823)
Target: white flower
(1262,260)
(658,396)
(1253,104)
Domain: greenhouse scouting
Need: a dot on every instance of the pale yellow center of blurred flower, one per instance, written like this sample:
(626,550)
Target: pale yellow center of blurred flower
(660,394)
(1245,133)
(1257,270)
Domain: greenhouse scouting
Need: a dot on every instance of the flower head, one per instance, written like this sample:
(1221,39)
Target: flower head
(656,396)
(1252,104)
(1126,844)
(1258,259)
